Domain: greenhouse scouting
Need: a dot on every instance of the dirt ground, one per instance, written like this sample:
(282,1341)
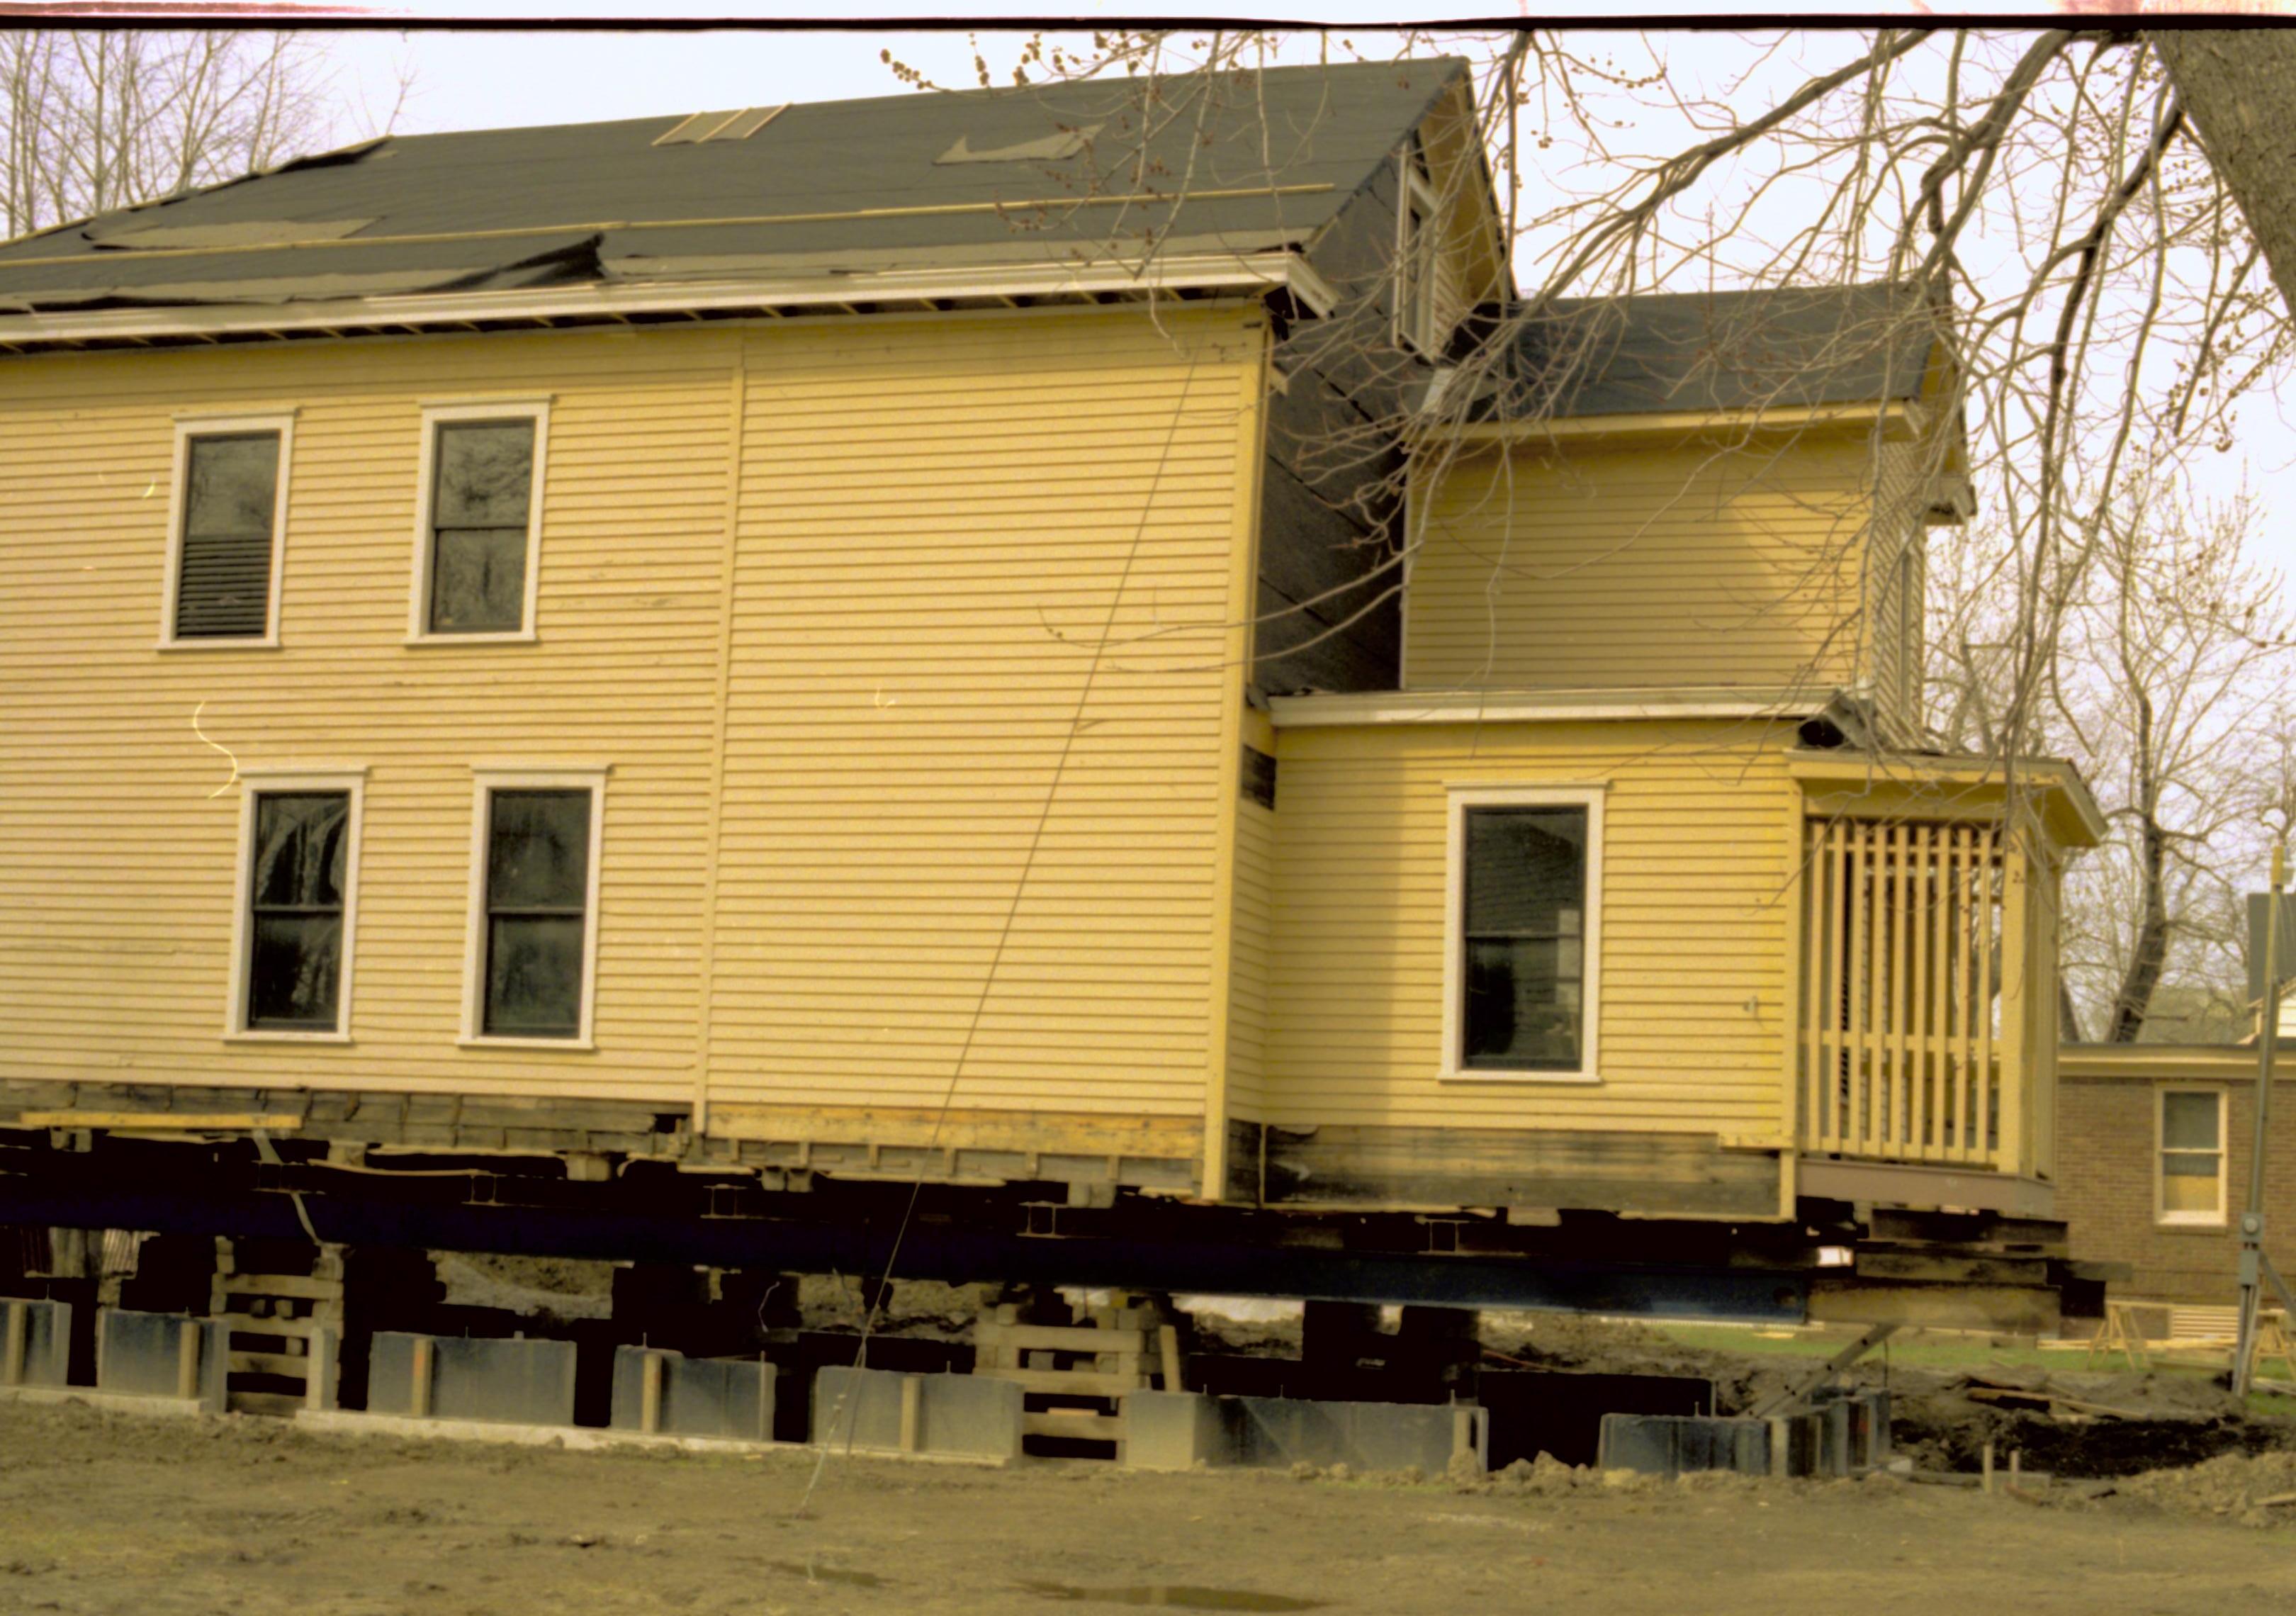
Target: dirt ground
(109,1515)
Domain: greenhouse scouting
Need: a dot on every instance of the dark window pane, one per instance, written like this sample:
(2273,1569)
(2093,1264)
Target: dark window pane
(539,853)
(534,975)
(300,844)
(478,580)
(1522,1012)
(1526,871)
(485,474)
(1525,934)
(232,483)
(292,971)
(222,586)
(2188,1122)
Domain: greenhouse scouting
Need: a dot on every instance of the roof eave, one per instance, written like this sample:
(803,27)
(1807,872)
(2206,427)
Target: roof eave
(1248,273)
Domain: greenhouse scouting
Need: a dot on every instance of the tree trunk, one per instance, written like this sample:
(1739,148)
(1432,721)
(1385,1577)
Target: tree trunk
(2239,88)
(2150,952)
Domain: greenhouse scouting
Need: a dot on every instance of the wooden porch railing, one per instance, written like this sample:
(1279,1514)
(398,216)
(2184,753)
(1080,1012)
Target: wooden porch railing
(1925,964)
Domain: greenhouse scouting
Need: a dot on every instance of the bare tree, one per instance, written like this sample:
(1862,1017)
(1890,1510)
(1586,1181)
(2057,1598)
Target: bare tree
(96,119)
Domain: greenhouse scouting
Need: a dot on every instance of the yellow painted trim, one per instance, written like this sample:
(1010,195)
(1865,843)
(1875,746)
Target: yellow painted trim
(174,1121)
(737,422)
(1795,899)
(1898,419)
(1869,783)
(1243,573)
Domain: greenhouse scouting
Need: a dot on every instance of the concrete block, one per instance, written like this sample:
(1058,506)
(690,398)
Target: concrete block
(693,1396)
(953,1415)
(163,1355)
(35,1342)
(517,1382)
(1175,1431)
(1667,1445)
(1282,1431)
(326,1351)
(1853,1430)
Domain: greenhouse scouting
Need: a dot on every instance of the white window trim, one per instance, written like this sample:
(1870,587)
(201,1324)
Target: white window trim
(1413,325)
(2161,1216)
(351,779)
(486,780)
(188,427)
(435,416)
(1455,942)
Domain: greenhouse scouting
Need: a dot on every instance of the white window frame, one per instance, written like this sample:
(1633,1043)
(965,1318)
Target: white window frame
(434,416)
(1415,322)
(188,428)
(1454,928)
(2161,1215)
(260,782)
(487,778)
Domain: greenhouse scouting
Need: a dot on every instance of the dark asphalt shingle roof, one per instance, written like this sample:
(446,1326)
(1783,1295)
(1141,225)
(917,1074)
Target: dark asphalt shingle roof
(1771,348)
(842,182)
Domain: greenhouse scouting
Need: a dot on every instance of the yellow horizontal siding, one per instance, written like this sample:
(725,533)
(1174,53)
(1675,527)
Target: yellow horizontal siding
(932,535)
(1694,925)
(1639,566)
(1250,926)
(933,516)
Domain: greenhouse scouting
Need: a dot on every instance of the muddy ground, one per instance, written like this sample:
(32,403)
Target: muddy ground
(117,1515)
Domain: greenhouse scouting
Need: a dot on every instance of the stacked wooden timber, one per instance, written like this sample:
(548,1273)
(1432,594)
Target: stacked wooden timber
(273,1322)
(1074,1376)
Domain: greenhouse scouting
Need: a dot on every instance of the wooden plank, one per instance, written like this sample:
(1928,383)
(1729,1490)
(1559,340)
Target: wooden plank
(1942,1268)
(1060,1338)
(1075,1424)
(172,1121)
(1915,1018)
(1853,1133)
(1980,1146)
(1359,1165)
(281,1284)
(1073,1383)
(1054,1132)
(300,1329)
(295,1365)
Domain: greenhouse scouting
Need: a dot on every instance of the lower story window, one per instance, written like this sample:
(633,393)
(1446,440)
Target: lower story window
(2192,1155)
(299,867)
(1522,932)
(534,938)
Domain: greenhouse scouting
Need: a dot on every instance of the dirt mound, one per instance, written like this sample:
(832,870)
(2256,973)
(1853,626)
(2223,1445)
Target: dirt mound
(2256,1490)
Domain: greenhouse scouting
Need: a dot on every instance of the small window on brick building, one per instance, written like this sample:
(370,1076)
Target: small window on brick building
(2191,1176)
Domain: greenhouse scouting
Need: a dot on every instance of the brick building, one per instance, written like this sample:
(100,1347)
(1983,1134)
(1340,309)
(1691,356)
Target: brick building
(2153,1145)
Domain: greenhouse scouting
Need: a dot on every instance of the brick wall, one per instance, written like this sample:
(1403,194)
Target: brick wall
(2107,1138)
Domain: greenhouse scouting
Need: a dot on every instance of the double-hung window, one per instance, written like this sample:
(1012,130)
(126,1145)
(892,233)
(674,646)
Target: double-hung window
(1522,932)
(228,526)
(478,534)
(2192,1156)
(533,939)
(297,904)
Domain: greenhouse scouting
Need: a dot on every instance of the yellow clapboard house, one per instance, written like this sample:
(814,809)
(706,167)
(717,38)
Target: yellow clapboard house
(940,638)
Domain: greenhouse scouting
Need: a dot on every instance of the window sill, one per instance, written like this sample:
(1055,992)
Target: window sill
(564,1046)
(252,1035)
(218,644)
(2197,1223)
(1481,1075)
(522,636)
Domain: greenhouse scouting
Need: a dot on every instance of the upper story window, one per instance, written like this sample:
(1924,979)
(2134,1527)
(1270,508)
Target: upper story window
(2191,1176)
(298,879)
(533,941)
(480,525)
(1523,932)
(227,529)
(1417,265)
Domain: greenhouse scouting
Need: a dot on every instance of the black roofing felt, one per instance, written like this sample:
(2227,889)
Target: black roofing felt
(1771,348)
(607,185)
